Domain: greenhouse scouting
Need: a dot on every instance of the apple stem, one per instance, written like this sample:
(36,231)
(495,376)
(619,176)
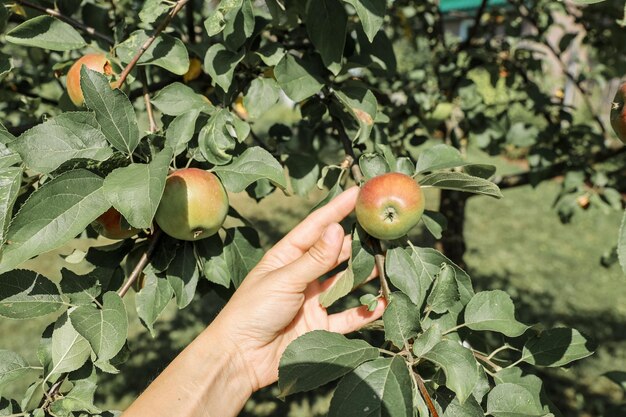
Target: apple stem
(73,22)
(129,67)
(143,261)
(379,259)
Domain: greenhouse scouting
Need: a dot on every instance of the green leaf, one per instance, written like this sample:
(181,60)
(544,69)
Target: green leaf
(220,63)
(239,25)
(493,310)
(405,166)
(326,23)
(46,32)
(54,214)
(6,64)
(166,52)
(81,396)
(152,9)
(210,252)
(459,366)
(152,299)
(556,347)
(84,289)
(402,320)
(298,78)
(439,157)
(262,94)
(114,112)
(373,165)
(69,350)
(182,274)
(371,14)
(13,367)
(181,130)
(253,164)
(381,387)
(135,190)
(216,22)
(362,258)
(304,172)
(178,99)
(406,276)
(621,244)
(618,377)
(451,406)
(9,407)
(242,251)
(106,328)
(362,105)
(369,300)
(427,340)
(445,292)
(342,287)
(10,181)
(215,142)
(435,222)
(522,135)
(26,294)
(461,182)
(532,383)
(62,138)
(319,357)
(511,400)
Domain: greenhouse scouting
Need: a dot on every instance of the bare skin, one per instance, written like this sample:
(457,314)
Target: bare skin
(277,302)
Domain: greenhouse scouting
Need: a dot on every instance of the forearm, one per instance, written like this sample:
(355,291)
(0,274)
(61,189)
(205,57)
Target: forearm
(207,379)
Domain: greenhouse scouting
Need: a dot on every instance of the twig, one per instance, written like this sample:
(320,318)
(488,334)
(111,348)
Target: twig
(143,261)
(129,67)
(55,13)
(486,360)
(357,175)
(424,392)
(146,98)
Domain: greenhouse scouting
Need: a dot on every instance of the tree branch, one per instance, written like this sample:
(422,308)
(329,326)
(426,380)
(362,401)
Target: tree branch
(425,395)
(73,22)
(146,97)
(143,261)
(357,175)
(129,67)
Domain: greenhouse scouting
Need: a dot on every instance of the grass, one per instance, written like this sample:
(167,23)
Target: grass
(517,244)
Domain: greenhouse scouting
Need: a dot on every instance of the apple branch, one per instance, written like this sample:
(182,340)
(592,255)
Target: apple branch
(73,22)
(129,67)
(143,261)
(146,97)
(424,393)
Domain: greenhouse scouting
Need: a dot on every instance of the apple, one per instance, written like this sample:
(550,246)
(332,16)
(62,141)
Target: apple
(618,113)
(389,205)
(95,62)
(194,205)
(110,225)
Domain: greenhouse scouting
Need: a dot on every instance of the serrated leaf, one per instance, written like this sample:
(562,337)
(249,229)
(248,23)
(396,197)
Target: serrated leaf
(326,23)
(297,78)
(81,396)
(253,164)
(152,299)
(27,294)
(215,142)
(371,14)
(220,63)
(64,137)
(182,274)
(342,287)
(439,157)
(381,387)
(304,172)
(69,350)
(459,366)
(46,32)
(406,276)
(114,112)
(181,130)
(242,251)
(493,310)
(362,259)
(532,383)
(362,105)
(166,52)
(136,190)
(511,400)
(451,406)
(106,328)
(319,357)
(427,340)
(12,367)
(178,99)
(373,165)
(461,182)
(210,252)
(402,320)
(10,181)
(239,25)
(152,9)
(84,289)
(262,94)
(54,214)
(435,222)
(556,347)
(216,21)
(445,292)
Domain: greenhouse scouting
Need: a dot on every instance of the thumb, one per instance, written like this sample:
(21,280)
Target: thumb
(319,259)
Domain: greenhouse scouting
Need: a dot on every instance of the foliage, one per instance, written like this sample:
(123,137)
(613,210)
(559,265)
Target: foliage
(369,81)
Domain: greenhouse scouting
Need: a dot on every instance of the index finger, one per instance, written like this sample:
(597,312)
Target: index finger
(305,234)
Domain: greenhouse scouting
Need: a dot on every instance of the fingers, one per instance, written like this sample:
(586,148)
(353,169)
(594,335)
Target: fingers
(320,258)
(332,280)
(353,319)
(303,236)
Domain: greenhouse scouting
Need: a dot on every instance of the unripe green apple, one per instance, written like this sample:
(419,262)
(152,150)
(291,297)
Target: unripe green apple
(618,113)
(194,205)
(95,62)
(110,225)
(389,205)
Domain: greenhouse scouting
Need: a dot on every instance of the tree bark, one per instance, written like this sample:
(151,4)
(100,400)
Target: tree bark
(452,244)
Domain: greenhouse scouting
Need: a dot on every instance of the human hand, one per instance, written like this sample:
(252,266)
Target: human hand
(278,300)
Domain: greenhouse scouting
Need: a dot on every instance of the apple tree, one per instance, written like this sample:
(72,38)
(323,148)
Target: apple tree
(185,84)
